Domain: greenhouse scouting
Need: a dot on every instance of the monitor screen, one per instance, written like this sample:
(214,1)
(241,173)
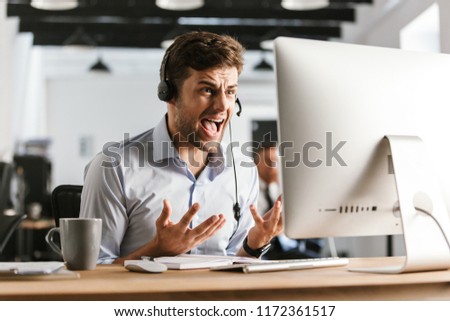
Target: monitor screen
(337,103)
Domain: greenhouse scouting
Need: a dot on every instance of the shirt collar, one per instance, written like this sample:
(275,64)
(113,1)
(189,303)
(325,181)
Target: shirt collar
(163,147)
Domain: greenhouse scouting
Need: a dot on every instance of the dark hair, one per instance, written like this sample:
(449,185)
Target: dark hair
(199,50)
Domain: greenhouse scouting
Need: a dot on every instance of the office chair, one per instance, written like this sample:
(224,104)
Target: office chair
(6,173)
(66,200)
(8,224)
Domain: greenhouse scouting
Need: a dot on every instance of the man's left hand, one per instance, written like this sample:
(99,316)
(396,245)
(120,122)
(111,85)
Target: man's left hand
(266,227)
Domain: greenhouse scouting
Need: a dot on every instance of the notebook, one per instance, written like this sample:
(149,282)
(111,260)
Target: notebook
(35,271)
(192,261)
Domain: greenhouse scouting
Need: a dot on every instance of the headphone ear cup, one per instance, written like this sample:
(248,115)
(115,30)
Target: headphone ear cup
(165,90)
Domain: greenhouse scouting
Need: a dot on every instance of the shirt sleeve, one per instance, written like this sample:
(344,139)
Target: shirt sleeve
(246,221)
(103,197)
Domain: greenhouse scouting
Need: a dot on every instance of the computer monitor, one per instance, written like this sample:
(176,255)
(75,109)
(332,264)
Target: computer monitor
(364,138)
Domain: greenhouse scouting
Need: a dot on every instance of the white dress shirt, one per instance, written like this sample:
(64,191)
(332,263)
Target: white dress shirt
(125,186)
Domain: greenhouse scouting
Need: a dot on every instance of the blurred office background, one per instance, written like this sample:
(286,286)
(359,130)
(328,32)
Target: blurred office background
(73,80)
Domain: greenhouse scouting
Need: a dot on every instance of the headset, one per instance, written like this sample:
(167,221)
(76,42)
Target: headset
(166,91)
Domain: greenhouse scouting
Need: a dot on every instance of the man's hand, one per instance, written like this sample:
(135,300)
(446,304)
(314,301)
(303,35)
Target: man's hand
(174,239)
(266,227)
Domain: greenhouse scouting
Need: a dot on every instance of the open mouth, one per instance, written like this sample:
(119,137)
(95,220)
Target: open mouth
(212,126)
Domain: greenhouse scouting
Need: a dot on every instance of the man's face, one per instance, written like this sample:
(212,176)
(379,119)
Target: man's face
(203,108)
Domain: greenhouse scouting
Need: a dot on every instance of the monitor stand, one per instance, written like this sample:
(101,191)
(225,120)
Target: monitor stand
(424,216)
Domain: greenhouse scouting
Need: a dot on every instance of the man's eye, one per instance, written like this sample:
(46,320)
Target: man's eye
(208,90)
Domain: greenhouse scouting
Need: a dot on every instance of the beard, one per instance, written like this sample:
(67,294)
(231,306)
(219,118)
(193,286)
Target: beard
(188,131)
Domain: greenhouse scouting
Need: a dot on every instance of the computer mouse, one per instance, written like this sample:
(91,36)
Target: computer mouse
(145,266)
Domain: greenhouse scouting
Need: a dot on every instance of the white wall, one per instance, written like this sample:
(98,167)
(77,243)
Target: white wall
(8,31)
(444,10)
(422,33)
(4,98)
(380,24)
(98,109)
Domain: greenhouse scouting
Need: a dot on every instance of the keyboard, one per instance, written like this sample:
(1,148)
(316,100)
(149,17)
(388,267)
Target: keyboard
(284,265)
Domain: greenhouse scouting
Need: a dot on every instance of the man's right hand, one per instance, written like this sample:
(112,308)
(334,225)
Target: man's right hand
(174,239)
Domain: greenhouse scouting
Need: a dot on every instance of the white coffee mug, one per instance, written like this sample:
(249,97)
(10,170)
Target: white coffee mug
(80,242)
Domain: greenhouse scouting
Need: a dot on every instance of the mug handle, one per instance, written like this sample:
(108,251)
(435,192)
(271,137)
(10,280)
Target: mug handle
(53,245)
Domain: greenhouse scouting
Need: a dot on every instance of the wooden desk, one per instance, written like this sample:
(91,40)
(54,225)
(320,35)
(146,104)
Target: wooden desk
(41,224)
(113,282)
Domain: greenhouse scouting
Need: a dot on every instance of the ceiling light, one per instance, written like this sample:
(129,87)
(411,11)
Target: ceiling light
(304,4)
(180,4)
(263,65)
(169,38)
(100,66)
(79,38)
(267,41)
(165,44)
(54,4)
(267,44)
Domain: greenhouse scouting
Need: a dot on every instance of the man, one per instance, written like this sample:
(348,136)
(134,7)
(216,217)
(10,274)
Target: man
(171,189)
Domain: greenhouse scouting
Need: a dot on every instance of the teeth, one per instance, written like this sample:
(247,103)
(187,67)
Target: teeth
(216,121)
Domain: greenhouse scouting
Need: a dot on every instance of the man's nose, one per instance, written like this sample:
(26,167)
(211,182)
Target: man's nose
(222,103)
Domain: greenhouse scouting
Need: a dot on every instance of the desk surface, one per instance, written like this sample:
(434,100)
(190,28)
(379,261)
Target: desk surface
(40,224)
(113,282)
